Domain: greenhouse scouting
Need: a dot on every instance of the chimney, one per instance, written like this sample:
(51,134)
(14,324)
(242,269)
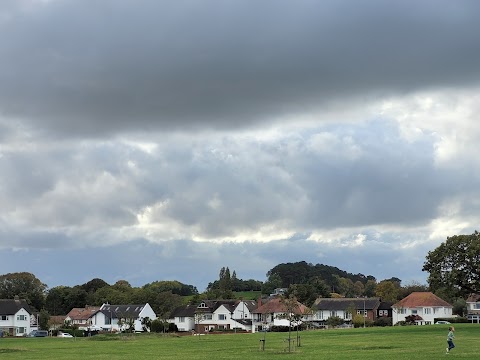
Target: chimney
(259,301)
(16,298)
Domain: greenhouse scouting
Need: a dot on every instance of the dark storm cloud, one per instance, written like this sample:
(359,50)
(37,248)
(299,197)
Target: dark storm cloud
(110,66)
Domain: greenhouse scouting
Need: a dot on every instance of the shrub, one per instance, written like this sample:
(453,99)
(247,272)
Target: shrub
(334,321)
(383,321)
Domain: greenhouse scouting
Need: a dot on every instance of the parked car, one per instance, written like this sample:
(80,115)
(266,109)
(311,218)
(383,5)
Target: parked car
(442,322)
(38,333)
(64,335)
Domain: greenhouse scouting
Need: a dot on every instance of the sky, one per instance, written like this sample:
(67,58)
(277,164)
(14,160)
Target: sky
(147,140)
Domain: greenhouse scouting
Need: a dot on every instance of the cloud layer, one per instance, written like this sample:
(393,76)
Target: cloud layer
(239,134)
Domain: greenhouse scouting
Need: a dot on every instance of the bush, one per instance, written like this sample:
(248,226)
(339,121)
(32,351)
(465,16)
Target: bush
(383,321)
(334,321)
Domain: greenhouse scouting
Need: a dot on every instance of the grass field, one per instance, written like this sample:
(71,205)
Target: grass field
(413,342)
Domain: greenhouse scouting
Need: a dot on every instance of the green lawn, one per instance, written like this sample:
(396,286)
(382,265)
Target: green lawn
(413,342)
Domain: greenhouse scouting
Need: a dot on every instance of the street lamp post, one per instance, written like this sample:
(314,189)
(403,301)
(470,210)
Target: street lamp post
(363,312)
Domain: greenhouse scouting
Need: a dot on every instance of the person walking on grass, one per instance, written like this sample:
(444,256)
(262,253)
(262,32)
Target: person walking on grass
(450,338)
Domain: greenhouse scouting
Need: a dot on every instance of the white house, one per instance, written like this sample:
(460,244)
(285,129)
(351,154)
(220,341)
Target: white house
(473,308)
(15,317)
(108,315)
(184,317)
(345,308)
(221,315)
(272,312)
(424,306)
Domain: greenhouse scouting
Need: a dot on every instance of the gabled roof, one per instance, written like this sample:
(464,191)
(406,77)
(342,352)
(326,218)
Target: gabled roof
(385,305)
(184,311)
(473,298)
(277,306)
(83,313)
(250,304)
(334,304)
(212,305)
(421,299)
(12,306)
(122,311)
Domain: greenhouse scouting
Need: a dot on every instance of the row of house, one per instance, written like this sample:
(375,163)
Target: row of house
(17,319)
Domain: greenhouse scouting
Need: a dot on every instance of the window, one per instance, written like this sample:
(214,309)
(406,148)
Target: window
(21,317)
(202,305)
(333,313)
(108,320)
(181,319)
(20,330)
(222,317)
(414,311)
(382,312)
(4,317)
(427,311)
(208,316)
(362,312)
(476,306)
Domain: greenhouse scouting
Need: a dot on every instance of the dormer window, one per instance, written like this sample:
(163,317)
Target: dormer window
(202,305)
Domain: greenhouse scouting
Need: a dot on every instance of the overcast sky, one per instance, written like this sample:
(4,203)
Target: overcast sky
(162,140)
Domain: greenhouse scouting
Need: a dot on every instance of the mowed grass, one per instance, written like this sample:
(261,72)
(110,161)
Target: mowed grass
(413,342)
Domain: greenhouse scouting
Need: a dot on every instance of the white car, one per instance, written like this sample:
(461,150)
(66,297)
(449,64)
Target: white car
(64,335)
(442,322)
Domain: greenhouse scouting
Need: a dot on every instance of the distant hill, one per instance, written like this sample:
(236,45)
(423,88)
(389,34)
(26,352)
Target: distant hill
(303,272)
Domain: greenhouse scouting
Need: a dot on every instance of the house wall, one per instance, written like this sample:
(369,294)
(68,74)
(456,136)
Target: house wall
(428,314)
(242,311)
(17,324)
(184,323)
(322,315)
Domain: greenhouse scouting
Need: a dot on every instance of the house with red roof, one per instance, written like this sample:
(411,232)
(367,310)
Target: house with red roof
(272,313)
(473,308)
(424,307)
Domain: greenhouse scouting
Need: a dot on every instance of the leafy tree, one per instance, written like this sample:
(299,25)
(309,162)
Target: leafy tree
(304,293)
(459,307)
(292,314)
(320,286)
(43,319)
(370,288)
(410,288)
(388,290)
(24,285)
(273,282)
(358,289)
(55,302)
(455,264)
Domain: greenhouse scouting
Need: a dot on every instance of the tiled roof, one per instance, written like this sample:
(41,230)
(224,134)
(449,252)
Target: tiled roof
(212,305)
(277,306)
(421,299)
(345,303)
(12,306)
(473,298)
(123,310)
(184,311)
(83,313)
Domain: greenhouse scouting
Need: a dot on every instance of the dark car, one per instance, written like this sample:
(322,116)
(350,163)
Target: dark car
(38,333)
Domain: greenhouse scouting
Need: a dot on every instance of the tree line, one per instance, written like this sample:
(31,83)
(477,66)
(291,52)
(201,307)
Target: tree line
(454,273)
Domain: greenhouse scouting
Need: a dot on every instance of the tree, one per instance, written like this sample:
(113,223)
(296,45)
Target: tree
(388,290)
(146,323)
(24,285)
(273,282)
(455,264)
(43,319)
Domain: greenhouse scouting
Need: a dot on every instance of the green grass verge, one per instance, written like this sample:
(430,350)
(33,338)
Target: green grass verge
(413,342)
